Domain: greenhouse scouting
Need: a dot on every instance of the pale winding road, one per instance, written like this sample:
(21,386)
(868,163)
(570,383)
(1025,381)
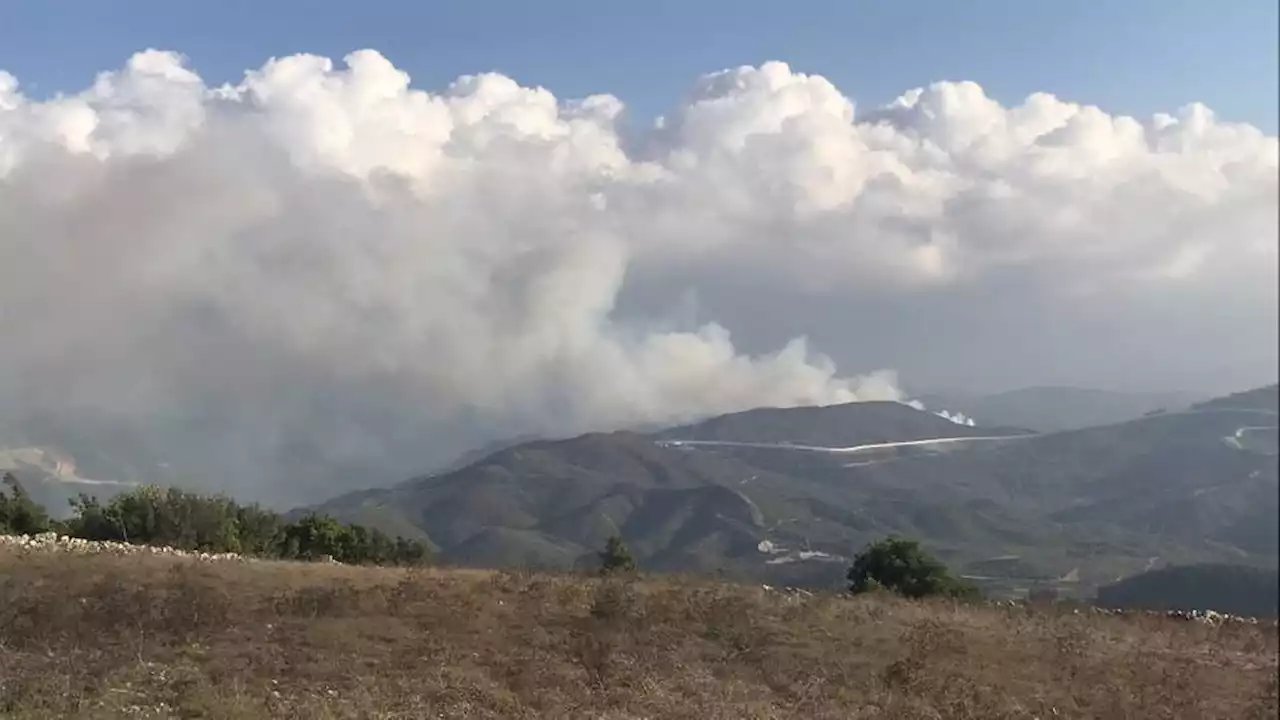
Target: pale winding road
(1235,440)
(837,450)
(948,440)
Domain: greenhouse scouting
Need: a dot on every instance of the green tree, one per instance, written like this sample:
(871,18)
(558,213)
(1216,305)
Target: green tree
(410,552)
(261,531)
(156,516)
(19,514)
(901,566)
(91,520)
(616,557)
(314,536)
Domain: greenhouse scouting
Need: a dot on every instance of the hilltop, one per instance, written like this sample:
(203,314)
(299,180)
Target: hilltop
(100,636)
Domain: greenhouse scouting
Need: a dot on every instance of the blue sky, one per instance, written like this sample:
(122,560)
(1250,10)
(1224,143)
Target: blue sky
(1128,56)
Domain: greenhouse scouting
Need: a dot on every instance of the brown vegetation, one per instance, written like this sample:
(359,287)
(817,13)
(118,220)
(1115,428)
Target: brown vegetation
(155,636)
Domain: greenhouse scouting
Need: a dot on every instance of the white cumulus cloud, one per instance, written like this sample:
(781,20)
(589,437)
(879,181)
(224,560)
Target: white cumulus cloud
(322,277)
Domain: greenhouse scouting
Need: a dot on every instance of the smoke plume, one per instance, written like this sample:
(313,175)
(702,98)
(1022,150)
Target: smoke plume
(321,278)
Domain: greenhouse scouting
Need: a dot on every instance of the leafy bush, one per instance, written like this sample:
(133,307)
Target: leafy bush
(155,516)
(19,514)
(317,535)
(616,557)
(901,566)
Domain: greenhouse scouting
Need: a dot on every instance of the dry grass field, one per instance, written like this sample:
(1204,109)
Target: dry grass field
(149,636)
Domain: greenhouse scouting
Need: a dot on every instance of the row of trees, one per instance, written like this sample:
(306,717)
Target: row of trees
(171,517)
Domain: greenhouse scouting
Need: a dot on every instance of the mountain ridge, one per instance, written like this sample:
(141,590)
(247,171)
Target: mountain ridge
(1098,502)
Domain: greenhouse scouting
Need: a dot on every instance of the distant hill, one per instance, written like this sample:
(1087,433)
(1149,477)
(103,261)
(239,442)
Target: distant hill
(52,478)
(544,502)
(753,494)
(1052,409)
(1263,398)
(1234,589)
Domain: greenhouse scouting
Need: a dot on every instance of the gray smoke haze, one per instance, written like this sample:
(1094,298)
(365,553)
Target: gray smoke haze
(320,278)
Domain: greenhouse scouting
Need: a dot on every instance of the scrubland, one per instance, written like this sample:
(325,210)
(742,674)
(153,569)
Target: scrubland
(141,635)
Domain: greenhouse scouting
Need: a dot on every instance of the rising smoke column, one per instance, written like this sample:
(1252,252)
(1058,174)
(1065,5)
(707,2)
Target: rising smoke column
(320,277)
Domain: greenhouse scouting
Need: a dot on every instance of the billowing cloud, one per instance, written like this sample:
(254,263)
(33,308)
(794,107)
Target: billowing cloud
(322,277)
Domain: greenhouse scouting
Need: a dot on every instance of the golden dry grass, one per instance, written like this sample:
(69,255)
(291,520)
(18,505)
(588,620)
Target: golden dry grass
(145,636)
